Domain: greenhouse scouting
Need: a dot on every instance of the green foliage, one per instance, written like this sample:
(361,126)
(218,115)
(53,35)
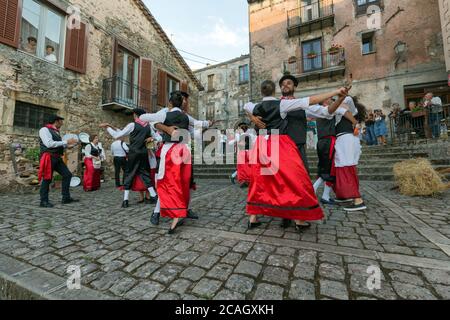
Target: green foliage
(32,154)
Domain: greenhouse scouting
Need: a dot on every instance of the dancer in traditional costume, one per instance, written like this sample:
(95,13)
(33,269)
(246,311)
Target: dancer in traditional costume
(326,130)
(348,152)
(94,155)
(244,140)
(173,180)
(140,133)
(282,189)
(52,150)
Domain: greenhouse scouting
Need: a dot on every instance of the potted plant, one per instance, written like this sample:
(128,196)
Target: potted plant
(335,49)
(292,59)
(418,111)
(312,55)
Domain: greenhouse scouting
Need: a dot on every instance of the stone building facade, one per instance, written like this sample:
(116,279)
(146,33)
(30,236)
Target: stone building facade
(444,8)
(227,89)
(392,50)
(89,61)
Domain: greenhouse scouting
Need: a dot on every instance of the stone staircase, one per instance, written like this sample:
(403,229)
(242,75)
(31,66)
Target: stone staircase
(376,164)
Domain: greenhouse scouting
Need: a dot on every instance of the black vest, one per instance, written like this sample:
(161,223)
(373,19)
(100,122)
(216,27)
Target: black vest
(175,119)
(56,137)
(297,124)
(326,128)
(138,138)
(95,152)
(344,127)
(270,112)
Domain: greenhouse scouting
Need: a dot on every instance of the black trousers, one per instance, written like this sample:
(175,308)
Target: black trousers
(325,159)
(301,148)
(120,163)
(138,165)
(59,166)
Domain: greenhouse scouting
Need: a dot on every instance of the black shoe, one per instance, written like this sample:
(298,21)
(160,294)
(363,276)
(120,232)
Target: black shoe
(125,204)
(302,227)
(46,205)
(254,225)
(191,215)
(342,200)
(152,200)
(286,223)
(155,218)
(233,180)
(356,207)
(179,224)
(69,201)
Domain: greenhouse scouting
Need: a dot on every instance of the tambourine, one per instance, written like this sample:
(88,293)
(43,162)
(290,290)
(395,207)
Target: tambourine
(151,145)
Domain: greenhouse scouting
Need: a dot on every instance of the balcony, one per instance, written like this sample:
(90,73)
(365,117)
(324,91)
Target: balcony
(317,67)
(316,16)
(120,95)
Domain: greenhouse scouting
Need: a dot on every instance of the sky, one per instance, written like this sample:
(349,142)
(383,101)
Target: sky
(216,30)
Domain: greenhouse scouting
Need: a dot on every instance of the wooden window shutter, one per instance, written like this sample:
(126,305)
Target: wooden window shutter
(10,15)
(184,86)
(76,49)
(162,88)
(145,84)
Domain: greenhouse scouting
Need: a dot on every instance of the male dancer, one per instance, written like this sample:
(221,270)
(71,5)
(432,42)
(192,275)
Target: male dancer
(174,176)
(326,131)
(140,132)
(52,149)
(287,192)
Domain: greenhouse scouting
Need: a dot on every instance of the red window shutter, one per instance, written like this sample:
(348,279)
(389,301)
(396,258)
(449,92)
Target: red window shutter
(162,88)
(184,86)
(145,84)
(10,15)
(76,49)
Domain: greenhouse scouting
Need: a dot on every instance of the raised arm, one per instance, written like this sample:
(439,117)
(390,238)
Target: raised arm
(116,134)
(158,117)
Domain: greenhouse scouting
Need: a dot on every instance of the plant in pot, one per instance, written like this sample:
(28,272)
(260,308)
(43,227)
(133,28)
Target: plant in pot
(335,49)
(418,111)
(312,55)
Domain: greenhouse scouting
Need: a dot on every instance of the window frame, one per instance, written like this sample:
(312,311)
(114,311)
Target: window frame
(211,80)
(361,9)
(43,113)
(41,46)
(372,37)
(244,67)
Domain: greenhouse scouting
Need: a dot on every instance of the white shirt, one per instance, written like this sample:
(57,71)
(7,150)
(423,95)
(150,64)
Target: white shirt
(48,141)
(119,149)
(51,57)
(88,150)
(117,134)
(286,106)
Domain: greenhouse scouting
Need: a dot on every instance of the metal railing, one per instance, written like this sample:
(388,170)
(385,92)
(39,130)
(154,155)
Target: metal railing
(123,92)
(316,62)
(410,126)
(307,13)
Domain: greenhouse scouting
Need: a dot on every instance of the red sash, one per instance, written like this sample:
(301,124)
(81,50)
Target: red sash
(45,167)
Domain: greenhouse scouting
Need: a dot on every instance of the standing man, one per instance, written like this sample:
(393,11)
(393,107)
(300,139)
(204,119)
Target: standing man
(52,150)
(435,109)
(140,133)
(119,150)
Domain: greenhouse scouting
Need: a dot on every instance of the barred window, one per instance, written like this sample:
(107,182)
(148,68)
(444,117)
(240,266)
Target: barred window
(27,115)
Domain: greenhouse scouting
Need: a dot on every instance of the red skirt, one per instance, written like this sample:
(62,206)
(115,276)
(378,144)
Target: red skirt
(174,188)
(347,183)
(92,176)
(287,192)
(139,186)
(243,167)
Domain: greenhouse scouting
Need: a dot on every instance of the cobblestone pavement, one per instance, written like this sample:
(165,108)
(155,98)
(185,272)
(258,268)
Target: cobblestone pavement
(123,256)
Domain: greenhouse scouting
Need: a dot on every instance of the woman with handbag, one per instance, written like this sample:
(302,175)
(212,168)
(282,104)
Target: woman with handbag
(93,164)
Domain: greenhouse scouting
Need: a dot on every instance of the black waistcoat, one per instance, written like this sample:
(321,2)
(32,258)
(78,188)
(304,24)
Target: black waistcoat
(56,137)
(270,113)
(297,124)
(175,119)
(95,151)
(138,138)
(345,126)
(326,128)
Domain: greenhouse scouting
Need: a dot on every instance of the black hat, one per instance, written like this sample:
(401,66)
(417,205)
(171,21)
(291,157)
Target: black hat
(139,112)
(185,94)
(53,118)
(289,77)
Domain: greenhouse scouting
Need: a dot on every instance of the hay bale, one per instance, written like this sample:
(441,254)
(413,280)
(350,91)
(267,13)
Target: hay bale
(417,177)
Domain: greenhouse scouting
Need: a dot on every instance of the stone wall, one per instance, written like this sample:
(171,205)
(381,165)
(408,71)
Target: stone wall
(228,94)
(378,80)
(77,97)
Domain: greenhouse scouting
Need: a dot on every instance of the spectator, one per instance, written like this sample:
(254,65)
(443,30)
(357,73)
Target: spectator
(31,45)
(434,106)
(394,115)
(370,127)
(311,135)
(380,127)
(50,54)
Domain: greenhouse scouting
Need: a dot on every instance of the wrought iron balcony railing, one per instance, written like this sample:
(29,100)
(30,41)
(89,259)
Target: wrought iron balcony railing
(122,94)
(330,60)
(315,16)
